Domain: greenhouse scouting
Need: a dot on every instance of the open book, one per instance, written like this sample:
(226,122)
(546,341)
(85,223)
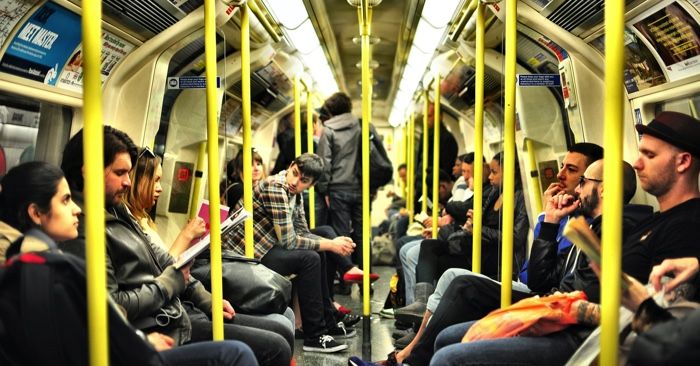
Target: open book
(192,252)
(579,232)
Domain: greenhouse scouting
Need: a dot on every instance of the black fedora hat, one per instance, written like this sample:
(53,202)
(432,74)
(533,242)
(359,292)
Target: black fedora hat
(677,129)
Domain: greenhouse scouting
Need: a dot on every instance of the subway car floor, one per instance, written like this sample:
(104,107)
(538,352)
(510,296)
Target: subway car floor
(381,341)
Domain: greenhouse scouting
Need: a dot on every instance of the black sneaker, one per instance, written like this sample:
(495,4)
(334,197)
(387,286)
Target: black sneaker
(348,319)
(323,344)
(339,331)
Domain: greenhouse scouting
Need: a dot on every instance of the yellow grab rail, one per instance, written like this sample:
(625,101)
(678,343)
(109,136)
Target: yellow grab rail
(94,185)
(436,157)
(534,175)
(424,166)
(213,176)
(198,175)
(297,115)
(612,176)
(246,105)
(310,149)
(410,167)
(478,141)
(509,152)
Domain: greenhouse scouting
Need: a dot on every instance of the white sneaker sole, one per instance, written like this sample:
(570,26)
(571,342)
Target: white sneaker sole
(340,347)
(346,336)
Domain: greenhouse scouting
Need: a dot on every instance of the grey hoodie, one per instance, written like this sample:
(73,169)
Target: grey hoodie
(338,148)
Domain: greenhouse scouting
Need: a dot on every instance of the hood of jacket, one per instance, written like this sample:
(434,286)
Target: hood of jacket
(342,121)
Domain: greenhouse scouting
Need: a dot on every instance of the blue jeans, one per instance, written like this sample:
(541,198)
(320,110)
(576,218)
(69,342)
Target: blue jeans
(553,349)
(408,255)
(450,275)
(225,353)
(345,216)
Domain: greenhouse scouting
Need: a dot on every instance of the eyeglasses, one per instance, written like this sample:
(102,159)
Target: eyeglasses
(146,150)
(582,180)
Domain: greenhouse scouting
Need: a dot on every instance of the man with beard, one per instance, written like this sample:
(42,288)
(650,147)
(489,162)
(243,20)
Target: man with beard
(141,277)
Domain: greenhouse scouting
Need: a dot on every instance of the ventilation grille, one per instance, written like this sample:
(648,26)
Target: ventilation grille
(573,13)
(146,14)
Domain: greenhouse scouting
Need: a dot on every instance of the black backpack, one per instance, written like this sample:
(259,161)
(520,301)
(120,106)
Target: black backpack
(380,169)
(43,316)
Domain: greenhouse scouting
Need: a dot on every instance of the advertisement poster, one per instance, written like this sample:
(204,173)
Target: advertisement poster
(11,11)
(43,44)
(675,36)
(114,49)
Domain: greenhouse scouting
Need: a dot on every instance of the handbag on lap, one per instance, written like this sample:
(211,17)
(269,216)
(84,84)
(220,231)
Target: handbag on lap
(248,285)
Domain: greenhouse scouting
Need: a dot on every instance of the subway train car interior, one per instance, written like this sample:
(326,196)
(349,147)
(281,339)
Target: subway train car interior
(399,182)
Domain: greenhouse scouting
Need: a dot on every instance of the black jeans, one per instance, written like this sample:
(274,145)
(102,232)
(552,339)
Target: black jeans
(310,284)
(209,354)
(263,336)
(335,262)
(345,215)
(435,258)
(467,298)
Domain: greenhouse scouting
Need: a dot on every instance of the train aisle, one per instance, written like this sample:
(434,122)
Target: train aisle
(381,328)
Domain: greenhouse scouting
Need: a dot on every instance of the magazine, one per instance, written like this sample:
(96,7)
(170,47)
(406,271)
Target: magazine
(192,252)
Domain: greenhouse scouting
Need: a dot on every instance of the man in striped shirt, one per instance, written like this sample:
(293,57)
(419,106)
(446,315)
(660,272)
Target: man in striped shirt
(283,243)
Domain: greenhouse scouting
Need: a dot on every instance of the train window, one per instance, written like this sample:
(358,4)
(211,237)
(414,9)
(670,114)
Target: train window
(31,130)
(688,105)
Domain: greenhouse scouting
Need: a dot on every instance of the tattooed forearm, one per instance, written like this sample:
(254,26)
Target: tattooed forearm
(588,313)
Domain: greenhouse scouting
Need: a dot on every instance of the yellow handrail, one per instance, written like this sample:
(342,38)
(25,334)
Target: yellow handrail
(255,8)
(297,115)
(411,167)
(213,176)
(478,141)
(198,172)
(94,185)
(246,105)
(509,152)
(534,175)
(310,149)
(436,157)
(424,179)
(612,176)
(365,18)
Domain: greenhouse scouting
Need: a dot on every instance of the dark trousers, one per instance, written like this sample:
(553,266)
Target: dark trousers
(310,284)
(467,298)
(435,258)
(210,354)
(345,215)
(263,336)
(335,262)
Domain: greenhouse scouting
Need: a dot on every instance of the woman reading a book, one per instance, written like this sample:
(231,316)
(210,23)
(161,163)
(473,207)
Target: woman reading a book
(144,193)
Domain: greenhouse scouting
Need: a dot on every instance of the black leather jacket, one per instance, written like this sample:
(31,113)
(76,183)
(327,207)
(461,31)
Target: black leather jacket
(141,278)
(569,270)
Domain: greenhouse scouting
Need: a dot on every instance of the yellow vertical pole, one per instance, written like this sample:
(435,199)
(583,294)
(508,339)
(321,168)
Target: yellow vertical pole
(297,115)
(478,140)
(534,176)
(310,149)
(94,185)
(213,176)
(436,157)
(365,24)
(411,167)
(509,152)
(424,179)
(198,172)
(612,176)
(246,105)
(404,155)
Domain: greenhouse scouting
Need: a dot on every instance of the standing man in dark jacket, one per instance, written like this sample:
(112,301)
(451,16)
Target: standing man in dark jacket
(141,277)
(340,182)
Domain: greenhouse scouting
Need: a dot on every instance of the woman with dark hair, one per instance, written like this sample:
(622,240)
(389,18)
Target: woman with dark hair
(232,190)
(143,195)
(36,200)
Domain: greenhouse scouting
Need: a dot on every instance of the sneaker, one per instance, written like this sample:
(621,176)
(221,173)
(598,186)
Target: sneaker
(348,319)
(356,361)
(341,332)
(356,277)
(387,313)
(323,344)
